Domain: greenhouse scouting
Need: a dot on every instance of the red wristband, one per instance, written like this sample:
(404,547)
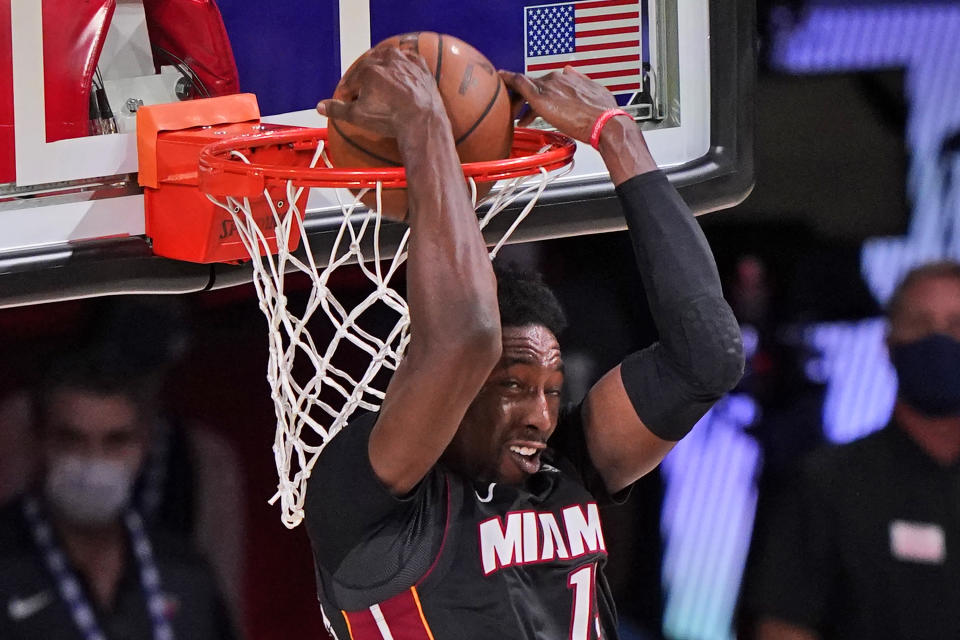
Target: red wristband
(602,121)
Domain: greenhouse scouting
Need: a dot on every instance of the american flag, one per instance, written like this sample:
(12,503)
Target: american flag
(600,38)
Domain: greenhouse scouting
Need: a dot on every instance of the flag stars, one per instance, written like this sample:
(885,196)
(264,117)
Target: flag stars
(550,30)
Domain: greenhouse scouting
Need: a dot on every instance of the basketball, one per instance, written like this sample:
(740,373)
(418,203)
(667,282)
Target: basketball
(476,102)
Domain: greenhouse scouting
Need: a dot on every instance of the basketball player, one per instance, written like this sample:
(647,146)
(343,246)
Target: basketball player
(467,507)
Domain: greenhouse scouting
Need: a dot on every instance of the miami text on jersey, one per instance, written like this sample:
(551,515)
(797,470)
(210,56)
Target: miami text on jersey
(526,537)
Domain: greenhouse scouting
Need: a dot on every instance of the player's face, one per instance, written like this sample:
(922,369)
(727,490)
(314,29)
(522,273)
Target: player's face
(506,427)
(931,305)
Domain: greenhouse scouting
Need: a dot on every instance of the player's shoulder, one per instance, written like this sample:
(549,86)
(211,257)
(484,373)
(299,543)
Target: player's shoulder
(355,432)
(345,450)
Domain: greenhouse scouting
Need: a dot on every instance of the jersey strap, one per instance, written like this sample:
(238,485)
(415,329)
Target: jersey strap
(399,618)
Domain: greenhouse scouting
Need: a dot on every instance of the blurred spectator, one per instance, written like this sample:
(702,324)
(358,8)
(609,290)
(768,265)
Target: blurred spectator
(16,444)
(788,420)
(190,482)
(867,542)
(790,405)
(76,559)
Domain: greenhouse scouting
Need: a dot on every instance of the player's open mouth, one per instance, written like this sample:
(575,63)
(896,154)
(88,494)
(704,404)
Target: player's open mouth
(526,456)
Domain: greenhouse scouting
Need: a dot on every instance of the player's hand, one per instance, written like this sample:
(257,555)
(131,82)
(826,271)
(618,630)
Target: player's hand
(388,91)
(569,101)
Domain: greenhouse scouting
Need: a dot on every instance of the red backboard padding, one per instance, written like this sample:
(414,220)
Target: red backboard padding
(193,31)
(73,35)
(7,162)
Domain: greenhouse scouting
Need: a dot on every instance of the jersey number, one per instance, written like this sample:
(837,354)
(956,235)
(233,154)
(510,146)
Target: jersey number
(581,581)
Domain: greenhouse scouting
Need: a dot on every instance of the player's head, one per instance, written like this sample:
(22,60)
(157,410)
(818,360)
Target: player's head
(506,427)
(524,299)
(924,338)
(92,438)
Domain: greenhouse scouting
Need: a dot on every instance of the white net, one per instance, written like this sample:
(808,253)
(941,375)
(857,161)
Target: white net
(320,376)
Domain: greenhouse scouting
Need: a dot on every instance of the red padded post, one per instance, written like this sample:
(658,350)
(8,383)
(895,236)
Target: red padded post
(193,31)
(8,166)
(73,35)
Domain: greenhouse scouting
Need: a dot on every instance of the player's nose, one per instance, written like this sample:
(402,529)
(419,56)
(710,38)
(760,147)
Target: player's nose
(538,414)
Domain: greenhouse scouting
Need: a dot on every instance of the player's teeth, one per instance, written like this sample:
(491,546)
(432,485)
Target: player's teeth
(524,451)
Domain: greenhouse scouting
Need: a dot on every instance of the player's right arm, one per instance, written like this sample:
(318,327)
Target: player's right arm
(451,289)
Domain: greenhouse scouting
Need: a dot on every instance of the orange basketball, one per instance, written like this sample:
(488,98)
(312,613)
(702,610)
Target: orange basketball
(476,102)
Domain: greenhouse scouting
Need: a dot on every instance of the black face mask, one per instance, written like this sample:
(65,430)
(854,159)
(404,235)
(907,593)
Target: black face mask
(929,374)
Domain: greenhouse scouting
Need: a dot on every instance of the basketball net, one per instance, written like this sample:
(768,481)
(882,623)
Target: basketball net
(317,402)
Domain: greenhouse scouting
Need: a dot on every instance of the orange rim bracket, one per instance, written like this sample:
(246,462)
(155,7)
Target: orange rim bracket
(176,116)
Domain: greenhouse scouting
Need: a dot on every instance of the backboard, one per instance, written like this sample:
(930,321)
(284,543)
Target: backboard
(71,213)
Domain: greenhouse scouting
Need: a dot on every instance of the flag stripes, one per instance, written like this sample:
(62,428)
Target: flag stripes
(600,38)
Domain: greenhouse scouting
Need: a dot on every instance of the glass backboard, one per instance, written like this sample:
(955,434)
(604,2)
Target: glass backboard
(71,212)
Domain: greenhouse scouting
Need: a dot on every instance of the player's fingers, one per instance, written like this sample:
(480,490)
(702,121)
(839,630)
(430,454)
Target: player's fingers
(386,54)
(334,109)
(409,47)
(351,82)
(409,42)
(414,56)
(547,80)
(517,103)
(521,84)
(382,51)
(527,118)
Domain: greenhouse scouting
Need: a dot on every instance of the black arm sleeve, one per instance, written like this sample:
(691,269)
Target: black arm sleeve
(699,356)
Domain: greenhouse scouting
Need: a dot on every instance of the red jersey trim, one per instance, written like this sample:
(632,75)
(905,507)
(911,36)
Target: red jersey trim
(399,618)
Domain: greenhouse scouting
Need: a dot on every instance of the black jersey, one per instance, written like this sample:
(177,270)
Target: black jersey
(458,559)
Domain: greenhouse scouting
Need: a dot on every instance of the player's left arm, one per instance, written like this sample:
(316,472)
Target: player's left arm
(636,413)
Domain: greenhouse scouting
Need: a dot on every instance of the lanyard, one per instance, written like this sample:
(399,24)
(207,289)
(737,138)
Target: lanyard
(154,474)
(69,587)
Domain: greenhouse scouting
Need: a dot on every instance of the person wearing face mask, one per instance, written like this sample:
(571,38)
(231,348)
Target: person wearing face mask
(868,546)
(76,560)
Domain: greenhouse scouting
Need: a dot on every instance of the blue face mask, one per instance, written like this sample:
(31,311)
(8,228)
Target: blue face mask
(929,374)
